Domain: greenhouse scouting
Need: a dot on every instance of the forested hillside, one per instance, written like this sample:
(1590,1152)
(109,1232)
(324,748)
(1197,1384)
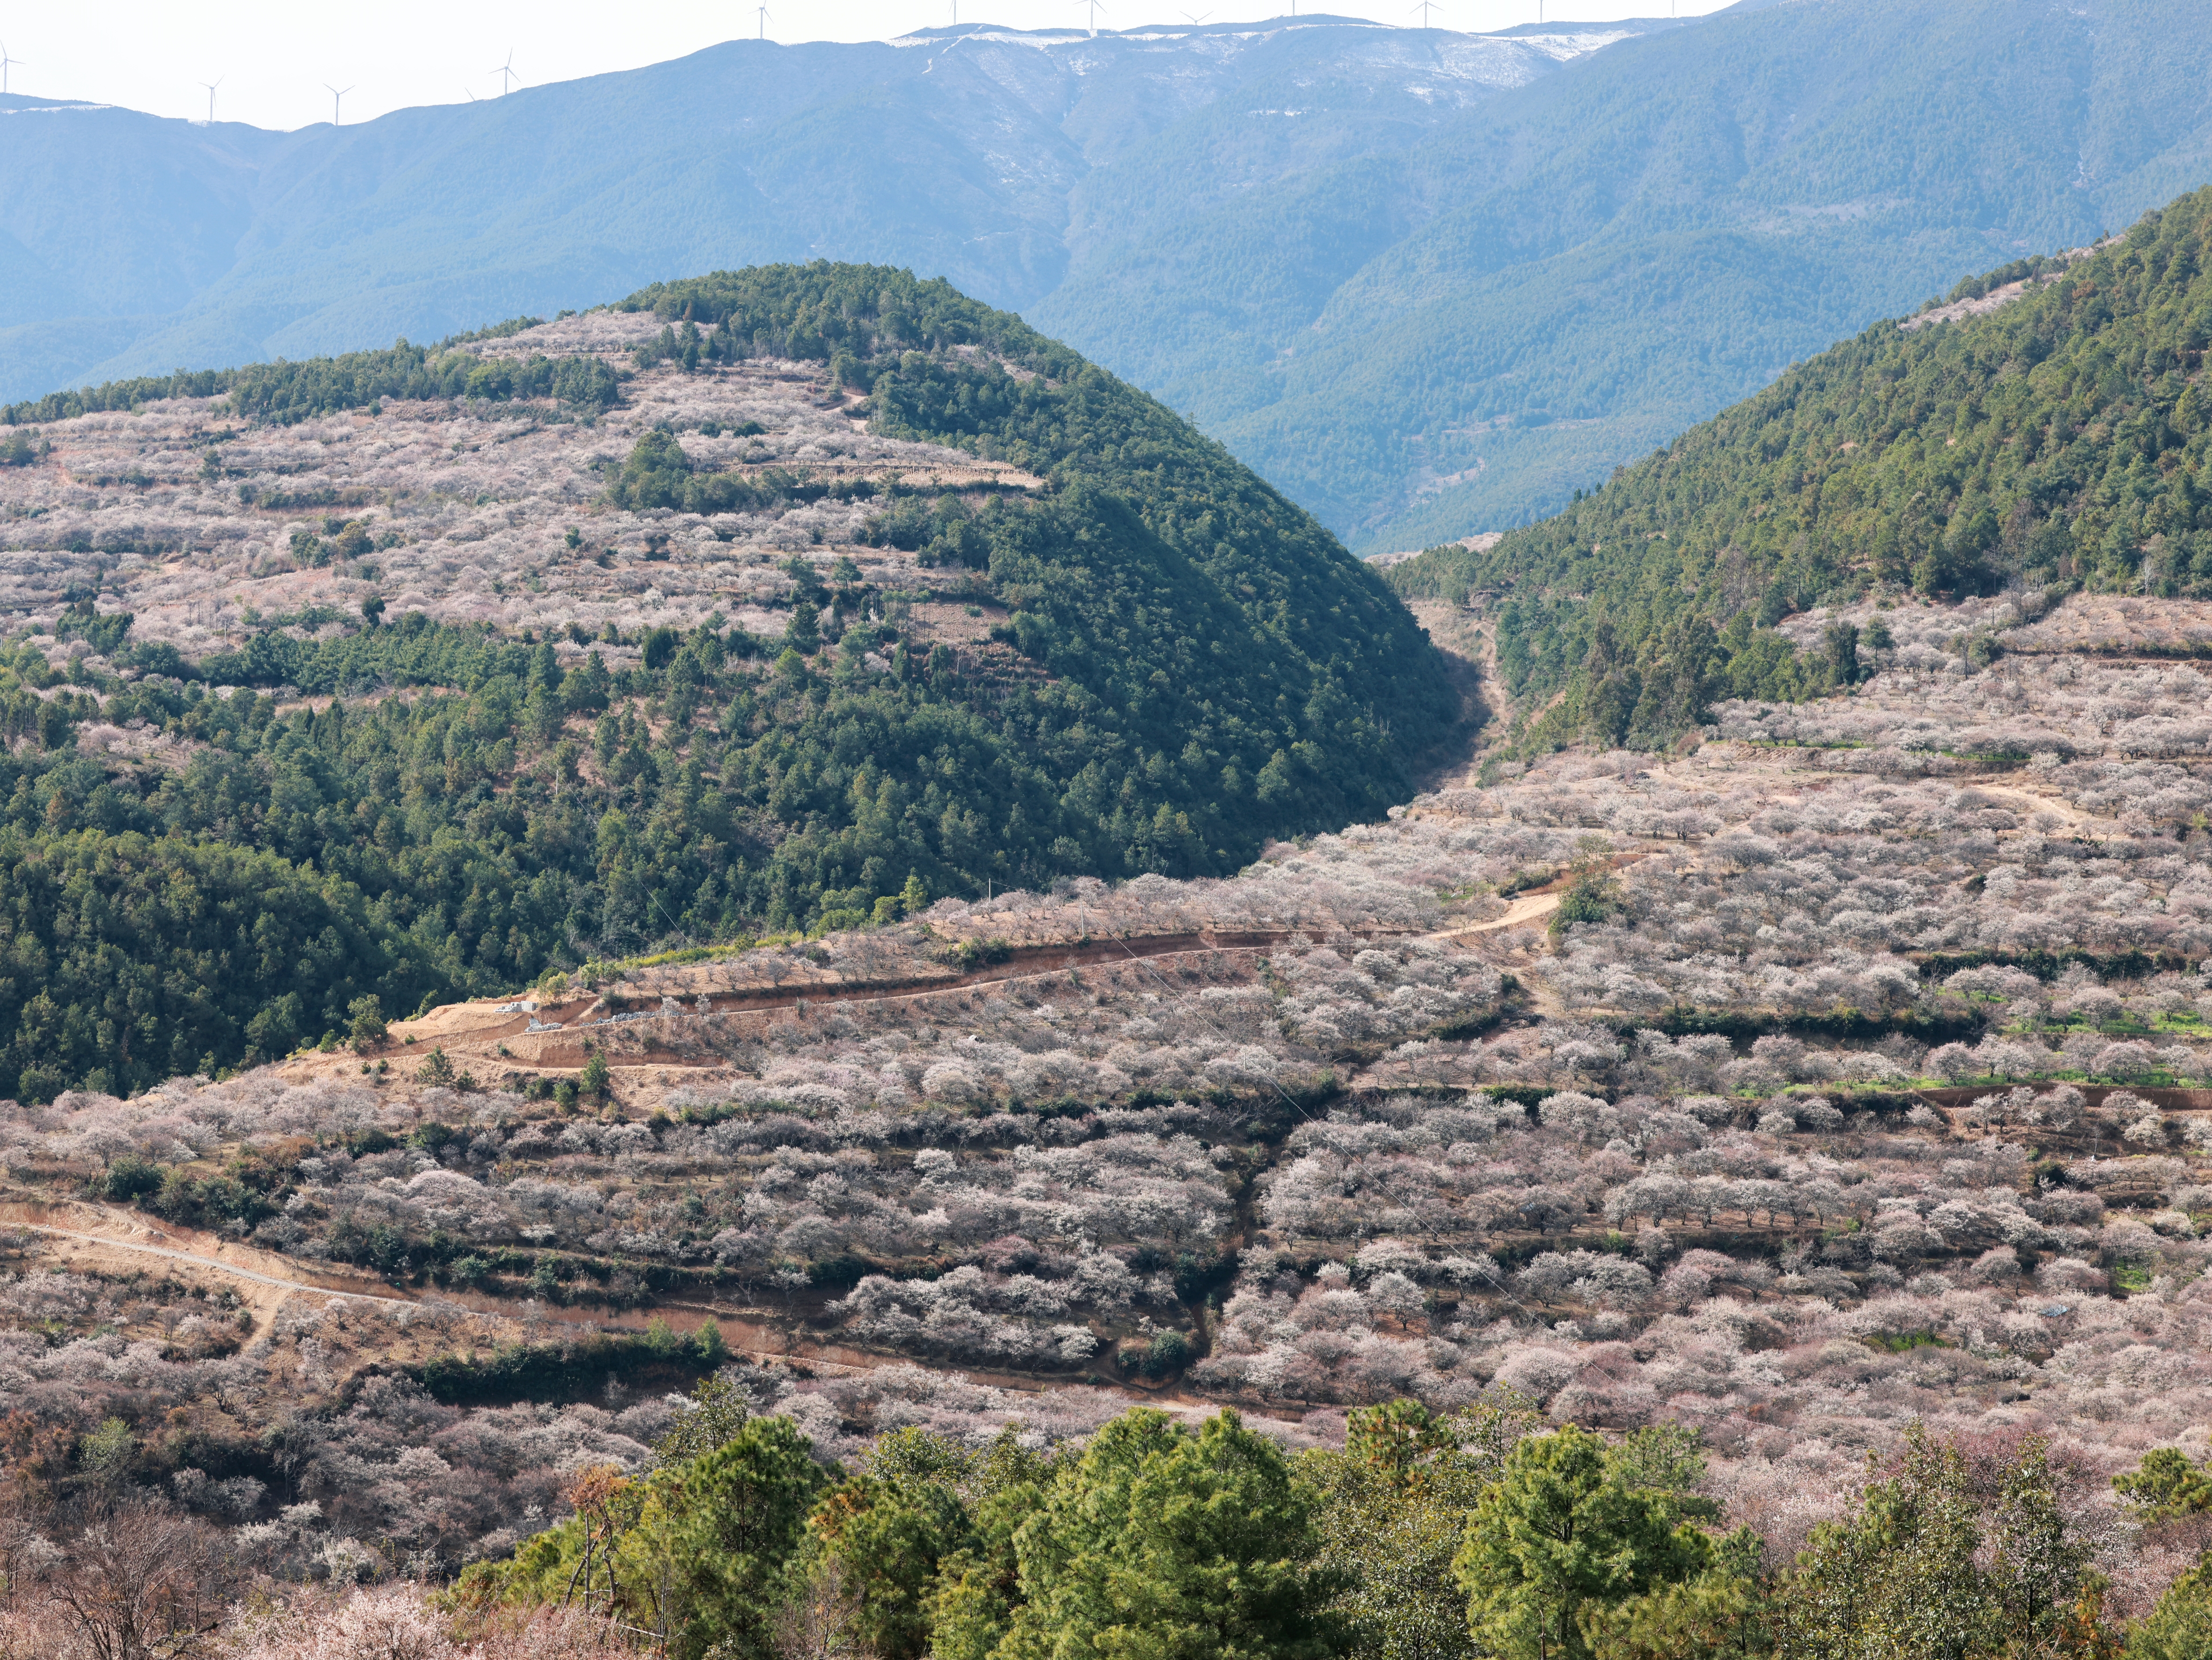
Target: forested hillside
(1082,640)
(2059,441)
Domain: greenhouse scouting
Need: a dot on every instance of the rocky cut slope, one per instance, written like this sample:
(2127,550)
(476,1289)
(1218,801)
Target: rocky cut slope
(781,599)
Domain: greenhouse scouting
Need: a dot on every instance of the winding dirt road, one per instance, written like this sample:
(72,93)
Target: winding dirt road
(1529,908)
(110,1240)
(230,1268)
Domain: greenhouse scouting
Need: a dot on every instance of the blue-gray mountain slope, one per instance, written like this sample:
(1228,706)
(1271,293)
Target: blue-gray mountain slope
(1456,336)
(140,243)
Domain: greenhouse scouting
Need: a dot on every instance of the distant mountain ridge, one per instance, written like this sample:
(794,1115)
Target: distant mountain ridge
(135,244)
(1576,270)
(1427,284)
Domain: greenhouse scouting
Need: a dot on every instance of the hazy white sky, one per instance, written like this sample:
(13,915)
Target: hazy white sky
(273,58)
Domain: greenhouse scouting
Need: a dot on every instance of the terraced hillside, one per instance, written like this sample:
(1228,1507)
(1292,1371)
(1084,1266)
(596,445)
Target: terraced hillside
(1845,1065)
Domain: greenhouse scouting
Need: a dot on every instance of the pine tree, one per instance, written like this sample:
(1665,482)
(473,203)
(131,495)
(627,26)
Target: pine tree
(888,1539)
(914,898)
(1560,1530)
(1901,1574)
(1180,1547)
(745,1508)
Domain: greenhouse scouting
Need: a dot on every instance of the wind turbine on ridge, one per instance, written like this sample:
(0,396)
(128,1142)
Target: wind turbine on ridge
(505,71)
(1424,7)
(1095,7)
(762,9)
(337,94)
(212,86)
(6,62)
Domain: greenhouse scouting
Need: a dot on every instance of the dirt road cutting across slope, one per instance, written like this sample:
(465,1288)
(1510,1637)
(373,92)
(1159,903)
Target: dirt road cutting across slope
(230,1268)
(113,1241)
(524,1034)
(1529,908)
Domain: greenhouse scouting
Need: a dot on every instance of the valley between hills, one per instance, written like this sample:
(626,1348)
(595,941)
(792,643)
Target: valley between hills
(614,897)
